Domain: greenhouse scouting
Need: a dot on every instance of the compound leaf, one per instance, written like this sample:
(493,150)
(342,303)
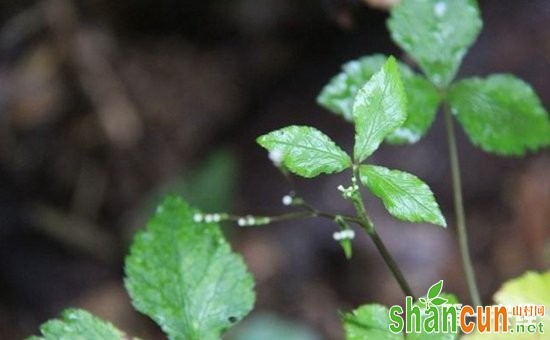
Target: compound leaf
(379,109)
(404,195)
(422,98)
(369,322)
(79,324)
(436,33)
(305,151)
(501,114)
(184,275)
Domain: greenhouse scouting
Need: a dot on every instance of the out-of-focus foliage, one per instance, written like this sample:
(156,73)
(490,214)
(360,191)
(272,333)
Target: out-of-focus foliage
(184,275)
(78,324)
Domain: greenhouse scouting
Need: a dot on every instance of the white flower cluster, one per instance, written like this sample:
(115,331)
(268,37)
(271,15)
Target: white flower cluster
(251,221)
(209,218)
(347,234)
(348,193)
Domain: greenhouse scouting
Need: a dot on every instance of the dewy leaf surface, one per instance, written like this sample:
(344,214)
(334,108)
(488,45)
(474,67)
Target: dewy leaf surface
(404,195)
(501,114)
(184,275)
(369,322)
(422,98)
(79,324)
(338,95)
(436,33)
(305,151)
(422,103)
(379,109)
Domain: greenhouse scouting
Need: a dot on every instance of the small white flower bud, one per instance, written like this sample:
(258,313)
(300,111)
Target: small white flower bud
(287,200)
(347,234)
(241,222)
(208,218)
(197,217)
(276,156)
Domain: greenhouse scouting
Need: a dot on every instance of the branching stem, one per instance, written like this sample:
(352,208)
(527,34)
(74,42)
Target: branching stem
(368,226)
(362,220)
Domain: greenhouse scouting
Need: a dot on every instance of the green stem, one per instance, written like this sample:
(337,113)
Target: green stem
(368,226)
(459,210)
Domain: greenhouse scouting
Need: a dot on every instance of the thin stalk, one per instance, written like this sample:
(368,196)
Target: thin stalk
(368,226)
(459,210)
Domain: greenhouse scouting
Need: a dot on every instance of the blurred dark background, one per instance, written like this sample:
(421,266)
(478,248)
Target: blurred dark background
(105,105)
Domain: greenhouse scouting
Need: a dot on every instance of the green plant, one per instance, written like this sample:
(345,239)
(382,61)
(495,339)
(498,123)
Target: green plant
(181,271)
(500,113)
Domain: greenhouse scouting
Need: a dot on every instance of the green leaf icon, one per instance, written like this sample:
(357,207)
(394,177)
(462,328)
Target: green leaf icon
(424,334)
(438,301)
(435,290)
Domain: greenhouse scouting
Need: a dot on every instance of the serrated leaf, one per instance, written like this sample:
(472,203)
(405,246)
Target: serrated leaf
(422,98)
(422,103)
(434,290)
(451,300)
(184,275)
(379,109)
(501,114)
(404,195)
(369,322)
(79,324)
(305,151)
(338,95)
(436,33)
